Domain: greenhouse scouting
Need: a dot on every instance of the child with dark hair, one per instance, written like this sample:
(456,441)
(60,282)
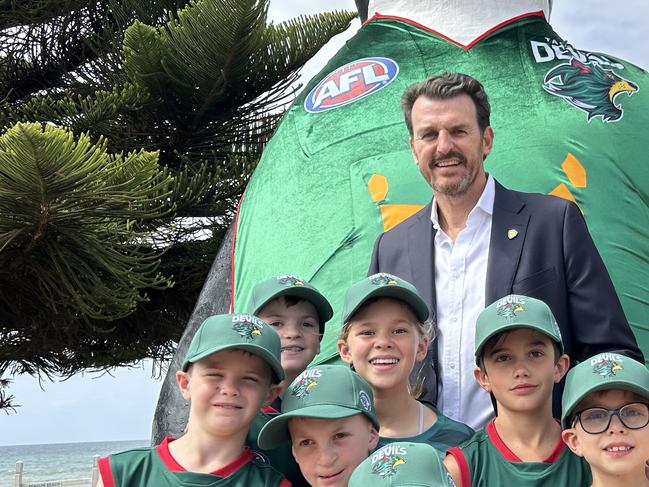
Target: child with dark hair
(519,357)
(606,416)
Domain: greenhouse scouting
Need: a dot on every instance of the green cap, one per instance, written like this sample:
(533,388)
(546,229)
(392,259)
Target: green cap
(515,311)
(608,370)
(383,285)
(402,464)
(288,285)
(323,392)
(243,332)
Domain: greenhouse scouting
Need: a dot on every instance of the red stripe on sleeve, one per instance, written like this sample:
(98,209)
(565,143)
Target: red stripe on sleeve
(105,472)
(465,474)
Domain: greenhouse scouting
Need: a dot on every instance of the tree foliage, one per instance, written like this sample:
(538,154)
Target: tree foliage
(129,131)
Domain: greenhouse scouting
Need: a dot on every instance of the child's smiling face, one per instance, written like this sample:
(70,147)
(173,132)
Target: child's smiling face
(618,451)
(383,343)
(328,450)
(298,326)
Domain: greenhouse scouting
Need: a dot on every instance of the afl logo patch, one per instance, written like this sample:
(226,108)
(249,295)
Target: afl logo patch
(351,82)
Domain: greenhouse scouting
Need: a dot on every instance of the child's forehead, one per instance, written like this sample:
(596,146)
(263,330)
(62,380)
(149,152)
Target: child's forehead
(233,358)
(610,398)
(374,309)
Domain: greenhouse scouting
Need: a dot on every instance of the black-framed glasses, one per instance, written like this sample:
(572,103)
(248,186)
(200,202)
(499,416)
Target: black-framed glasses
(597,420)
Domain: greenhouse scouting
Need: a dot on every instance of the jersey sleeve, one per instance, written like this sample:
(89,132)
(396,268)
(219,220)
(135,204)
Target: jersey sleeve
(105,472)
(465,475)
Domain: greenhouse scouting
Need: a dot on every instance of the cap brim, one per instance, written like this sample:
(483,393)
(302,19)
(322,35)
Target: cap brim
(261,352)
(625,384)
(396,292)
(322,306)
(275,432)
(508,327)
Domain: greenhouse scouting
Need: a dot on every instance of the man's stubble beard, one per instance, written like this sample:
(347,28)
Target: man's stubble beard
(457,188)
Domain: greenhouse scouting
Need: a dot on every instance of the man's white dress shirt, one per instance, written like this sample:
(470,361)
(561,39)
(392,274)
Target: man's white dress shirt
(460,281)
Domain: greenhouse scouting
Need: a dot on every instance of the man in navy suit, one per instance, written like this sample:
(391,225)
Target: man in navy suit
(478,241)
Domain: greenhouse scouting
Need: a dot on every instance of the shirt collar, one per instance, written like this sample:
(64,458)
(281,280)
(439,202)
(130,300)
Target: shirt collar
(485,203)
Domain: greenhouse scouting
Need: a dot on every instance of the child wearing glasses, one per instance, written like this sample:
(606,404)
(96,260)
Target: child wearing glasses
(519,357)
(605,410)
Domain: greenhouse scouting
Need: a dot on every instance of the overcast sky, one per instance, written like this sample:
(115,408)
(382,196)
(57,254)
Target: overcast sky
(120,407)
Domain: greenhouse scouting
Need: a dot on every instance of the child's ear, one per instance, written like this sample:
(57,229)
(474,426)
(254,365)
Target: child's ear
(343,350)
(482,378)
(374,438)
(422,348)
(273,391)
(561,367)
(570,438)
(182,379)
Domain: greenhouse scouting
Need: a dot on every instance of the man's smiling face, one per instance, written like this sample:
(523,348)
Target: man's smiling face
(448,145)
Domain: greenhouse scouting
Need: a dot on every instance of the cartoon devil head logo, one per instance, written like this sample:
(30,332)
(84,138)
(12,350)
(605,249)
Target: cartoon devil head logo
(387,465)
(303,387)
(589,87)
(290,281)
(509,310)
(247,329)
(607,368)
(382,279)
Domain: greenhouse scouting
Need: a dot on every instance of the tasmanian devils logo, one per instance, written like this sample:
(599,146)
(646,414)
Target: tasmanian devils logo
(247,326)
(589,87)
(607,365)
(387,460)
(351,82)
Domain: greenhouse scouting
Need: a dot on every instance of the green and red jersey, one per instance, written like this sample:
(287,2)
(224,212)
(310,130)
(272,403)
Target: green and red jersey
(485,460)
(144,467)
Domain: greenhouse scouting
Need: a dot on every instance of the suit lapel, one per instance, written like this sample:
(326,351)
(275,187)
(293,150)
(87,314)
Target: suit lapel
(420,253)
(508,228)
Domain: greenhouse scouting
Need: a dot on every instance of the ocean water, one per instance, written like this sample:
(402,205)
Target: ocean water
(57,461)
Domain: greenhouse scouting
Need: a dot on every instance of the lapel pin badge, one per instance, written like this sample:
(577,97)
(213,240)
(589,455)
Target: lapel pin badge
(512,233)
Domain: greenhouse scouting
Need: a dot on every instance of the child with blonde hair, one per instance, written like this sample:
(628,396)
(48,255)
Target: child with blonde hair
(385,333)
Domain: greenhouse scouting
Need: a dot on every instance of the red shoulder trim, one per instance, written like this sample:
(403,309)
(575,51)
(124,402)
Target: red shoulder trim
(246,457)
(500,445)
(378,16)
(105,472)
(465,473)
(234,242)
(269,410)
(170,462)
(285,483)
(166,457)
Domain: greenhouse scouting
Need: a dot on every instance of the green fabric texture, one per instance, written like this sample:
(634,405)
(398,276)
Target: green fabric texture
(515,311)
(288,285)
(403,464)
(143,467)
(488,467)
(236,331)
(323,392)
(309,211)
(383,285)
(444,434)
(603,371)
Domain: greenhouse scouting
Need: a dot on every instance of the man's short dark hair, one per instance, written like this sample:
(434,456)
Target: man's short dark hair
(444,86)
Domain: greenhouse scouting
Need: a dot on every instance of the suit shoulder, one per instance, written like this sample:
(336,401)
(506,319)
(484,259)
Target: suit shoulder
(545,201)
